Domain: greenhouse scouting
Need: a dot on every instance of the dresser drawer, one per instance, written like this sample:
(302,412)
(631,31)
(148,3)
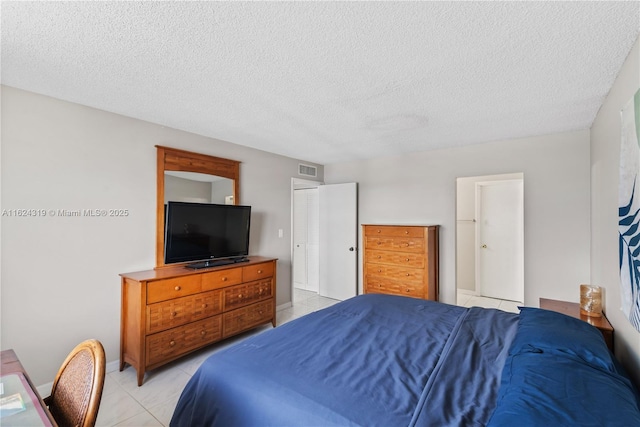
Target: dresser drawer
(162,290)
(393,231)
(409,244)
(169,314)
(247,293)
(377,285)
(167,345)
(247,317)
(395,273)
(219,279)
(257,271)
(407,259)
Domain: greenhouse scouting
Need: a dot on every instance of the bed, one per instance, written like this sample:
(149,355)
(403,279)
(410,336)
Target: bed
(382,360)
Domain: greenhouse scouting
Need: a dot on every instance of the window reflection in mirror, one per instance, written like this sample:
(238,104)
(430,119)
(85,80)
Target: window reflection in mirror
(197,188)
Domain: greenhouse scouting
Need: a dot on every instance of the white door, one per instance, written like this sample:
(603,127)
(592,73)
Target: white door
(300,239)
(305,239)
(338,240)
(313,240)
(500,239)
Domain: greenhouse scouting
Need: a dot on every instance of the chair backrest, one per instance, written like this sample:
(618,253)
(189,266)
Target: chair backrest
(77,388)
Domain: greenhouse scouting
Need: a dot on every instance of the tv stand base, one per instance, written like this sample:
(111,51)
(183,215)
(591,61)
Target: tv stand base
(216,263)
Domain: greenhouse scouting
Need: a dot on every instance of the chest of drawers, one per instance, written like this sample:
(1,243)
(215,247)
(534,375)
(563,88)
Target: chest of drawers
(167,313)
(401,260)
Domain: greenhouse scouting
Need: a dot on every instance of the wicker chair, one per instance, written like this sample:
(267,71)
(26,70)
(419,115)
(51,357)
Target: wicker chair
(77,388)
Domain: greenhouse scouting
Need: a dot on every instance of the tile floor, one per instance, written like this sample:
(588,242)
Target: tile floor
(466,300)
(124,404)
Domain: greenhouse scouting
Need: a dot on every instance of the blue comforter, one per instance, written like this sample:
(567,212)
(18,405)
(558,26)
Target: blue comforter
(373,360)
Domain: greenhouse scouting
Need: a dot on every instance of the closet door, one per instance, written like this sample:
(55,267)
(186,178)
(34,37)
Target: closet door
(300,239)
(306,236)
(313,240)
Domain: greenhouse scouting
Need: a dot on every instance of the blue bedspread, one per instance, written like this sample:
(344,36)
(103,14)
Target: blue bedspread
(373,360)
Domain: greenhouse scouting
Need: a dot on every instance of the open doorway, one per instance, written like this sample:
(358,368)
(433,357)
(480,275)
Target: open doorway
(324,241)
(490,241)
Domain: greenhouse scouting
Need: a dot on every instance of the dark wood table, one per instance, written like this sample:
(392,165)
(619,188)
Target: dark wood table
(15,381)
(573,309)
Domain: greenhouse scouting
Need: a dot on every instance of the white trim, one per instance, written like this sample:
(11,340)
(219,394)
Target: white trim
(297,184)
(284,306)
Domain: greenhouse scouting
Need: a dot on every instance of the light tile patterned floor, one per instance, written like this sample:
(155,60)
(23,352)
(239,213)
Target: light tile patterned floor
(124,404)
(466,300)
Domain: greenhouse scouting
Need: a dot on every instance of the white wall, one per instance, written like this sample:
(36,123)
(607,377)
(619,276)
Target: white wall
(60,282)
(187,190)
(605,167)
(421,189)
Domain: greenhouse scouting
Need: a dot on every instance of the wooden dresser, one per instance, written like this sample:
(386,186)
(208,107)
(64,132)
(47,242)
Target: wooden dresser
(167,313)
(401,260)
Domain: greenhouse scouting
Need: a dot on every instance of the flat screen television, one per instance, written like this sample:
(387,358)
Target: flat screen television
(206,234)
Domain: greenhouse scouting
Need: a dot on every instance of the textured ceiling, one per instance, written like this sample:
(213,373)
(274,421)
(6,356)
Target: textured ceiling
(327,81)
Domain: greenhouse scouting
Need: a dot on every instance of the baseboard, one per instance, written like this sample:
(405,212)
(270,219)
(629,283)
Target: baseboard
(283,306)
(112,366)
(468,292)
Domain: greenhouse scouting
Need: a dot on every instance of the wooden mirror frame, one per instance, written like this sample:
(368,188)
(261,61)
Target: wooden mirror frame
(172,159)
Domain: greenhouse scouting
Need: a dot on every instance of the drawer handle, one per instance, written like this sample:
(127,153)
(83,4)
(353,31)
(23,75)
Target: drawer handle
(259,271)
(379,271)
(172,343)
(408,290)
(378,231)
(239,295)
(177,288)
(224,279)
(203,333)
(204,305)
(174,314)
(406,231)
(379,256)
(379,242)
(407,260)
(408,274)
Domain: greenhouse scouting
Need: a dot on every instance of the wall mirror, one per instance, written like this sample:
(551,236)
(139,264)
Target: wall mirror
(184,176)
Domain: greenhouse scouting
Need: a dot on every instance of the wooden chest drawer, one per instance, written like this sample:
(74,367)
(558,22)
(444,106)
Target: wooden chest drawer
(408,259)
(379,285)
(220,279)
(395,273)
(257,272)
(167,345)
(409,244)
(169,314)
(162,290)
(393,231)
(247,317)
(247,293)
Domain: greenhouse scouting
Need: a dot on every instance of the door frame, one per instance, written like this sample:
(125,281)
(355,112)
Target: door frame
(297,184)
(465,216)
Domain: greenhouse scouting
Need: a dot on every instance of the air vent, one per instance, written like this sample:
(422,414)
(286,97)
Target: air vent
(307,170)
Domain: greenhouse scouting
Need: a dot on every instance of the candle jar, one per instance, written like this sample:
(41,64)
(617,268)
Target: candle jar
(591,300)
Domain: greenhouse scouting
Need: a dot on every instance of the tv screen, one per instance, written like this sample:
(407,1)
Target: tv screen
(201,231)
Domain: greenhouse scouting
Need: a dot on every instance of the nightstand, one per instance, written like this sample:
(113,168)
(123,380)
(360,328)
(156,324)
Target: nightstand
(573,309)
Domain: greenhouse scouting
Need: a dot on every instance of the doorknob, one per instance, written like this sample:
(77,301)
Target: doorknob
(352,249)
(484,246)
